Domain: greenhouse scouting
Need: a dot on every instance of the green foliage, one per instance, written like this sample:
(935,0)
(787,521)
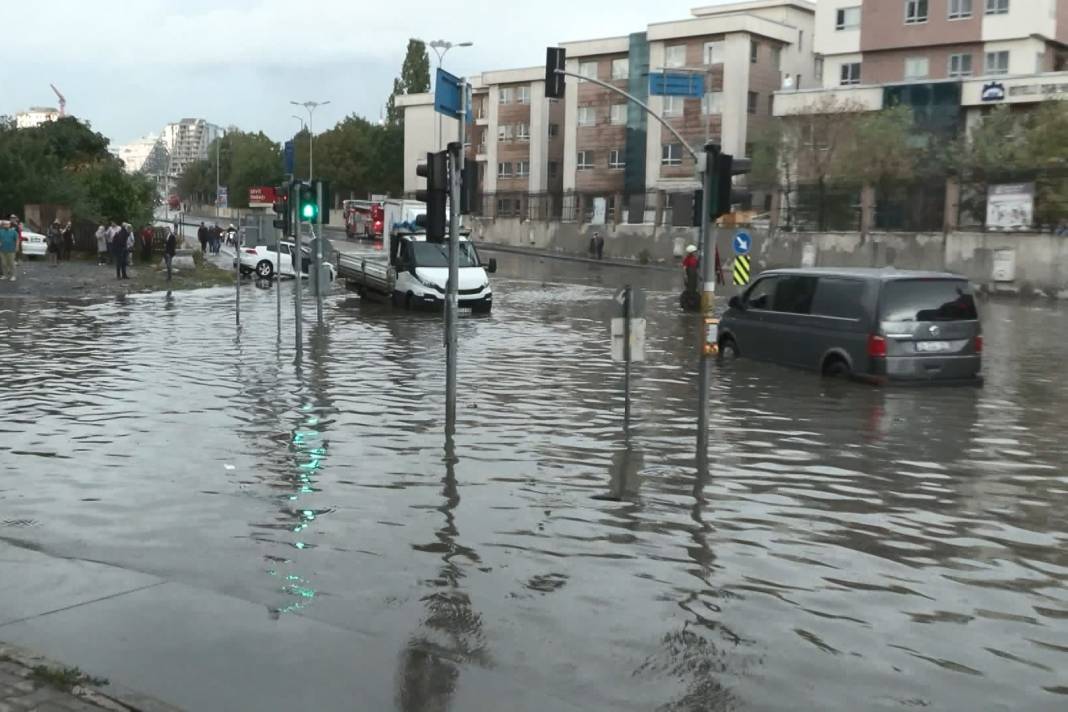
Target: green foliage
(66,163)
(414,79)
(879,148)
(245,160)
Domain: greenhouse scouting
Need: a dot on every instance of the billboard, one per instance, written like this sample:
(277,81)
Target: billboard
(1010,206)
(262,196)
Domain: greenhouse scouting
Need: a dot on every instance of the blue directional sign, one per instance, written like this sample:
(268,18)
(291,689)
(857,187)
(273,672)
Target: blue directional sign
(743,243)
(677,84)
(289,159)
(448,96)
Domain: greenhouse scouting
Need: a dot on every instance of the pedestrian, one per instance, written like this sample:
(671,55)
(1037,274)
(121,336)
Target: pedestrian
(101,245)
(691,263)
(170,247)
(146,244)
(9,244)
(202,237)
(216,238)
(131,243)
(68,242)
(598,245)
(231,235)
(119,252)
(16,224)
(54,243)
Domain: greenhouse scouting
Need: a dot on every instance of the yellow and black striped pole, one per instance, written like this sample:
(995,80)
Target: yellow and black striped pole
(742,270)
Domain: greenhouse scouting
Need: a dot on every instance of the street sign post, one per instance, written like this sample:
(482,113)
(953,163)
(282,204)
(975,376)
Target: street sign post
(289,159)
(628,340)
(449,96)
(742,264)
(743,243)
(677,84)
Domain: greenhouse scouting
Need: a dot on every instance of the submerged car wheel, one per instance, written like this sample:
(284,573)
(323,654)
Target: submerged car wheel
(836,367)
(728,349)
(265,269)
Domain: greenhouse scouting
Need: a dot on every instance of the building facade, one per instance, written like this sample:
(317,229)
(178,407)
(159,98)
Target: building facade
(188,141)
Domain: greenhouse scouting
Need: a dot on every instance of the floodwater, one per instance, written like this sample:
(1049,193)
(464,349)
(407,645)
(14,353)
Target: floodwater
(846,548)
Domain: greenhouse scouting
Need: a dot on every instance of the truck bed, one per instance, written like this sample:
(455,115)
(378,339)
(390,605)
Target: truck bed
(363,272)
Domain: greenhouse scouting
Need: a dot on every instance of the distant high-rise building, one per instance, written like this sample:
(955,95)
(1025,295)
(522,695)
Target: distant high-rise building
(35,116)
(187,141)
(147,155)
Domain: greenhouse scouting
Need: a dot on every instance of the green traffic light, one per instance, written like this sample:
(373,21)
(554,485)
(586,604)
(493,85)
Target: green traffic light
(309,210)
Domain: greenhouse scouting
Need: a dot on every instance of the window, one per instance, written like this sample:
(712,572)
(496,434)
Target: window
(522,132)
(753,99)
(960,9)
(776,56)
(997,7)
(673,105)
(915,11)
(819,69)
(800,40)
(522,95)
(671,154)
(505,132)
(675,56)
(960,65)
(588,69)
(587,116)
(621,68)
(928,300)
(839,298)
(554,130)
(847,18)
(761,295)
(506,95)
(771,104)
(619,114)
(754,51)
(997,62)
(554,169)
(522,169)
(712,103)
(585,160)
(916,67)
(504,170)
(714,52)
(794,295)
(616,159)
(850,73)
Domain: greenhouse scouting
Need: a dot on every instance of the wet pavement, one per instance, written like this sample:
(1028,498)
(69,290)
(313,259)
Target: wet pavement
(847,548)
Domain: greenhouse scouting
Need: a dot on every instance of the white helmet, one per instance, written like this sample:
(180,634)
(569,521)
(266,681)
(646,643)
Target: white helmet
(690,249)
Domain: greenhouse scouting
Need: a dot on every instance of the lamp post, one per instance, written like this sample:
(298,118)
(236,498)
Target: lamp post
(301,120)
(441,48)
(311,106)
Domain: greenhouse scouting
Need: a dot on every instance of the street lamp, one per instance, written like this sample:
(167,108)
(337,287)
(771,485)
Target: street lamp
(441,48)
(311,106)
(301,120)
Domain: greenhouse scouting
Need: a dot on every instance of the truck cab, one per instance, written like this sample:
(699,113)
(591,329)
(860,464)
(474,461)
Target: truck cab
(421,272)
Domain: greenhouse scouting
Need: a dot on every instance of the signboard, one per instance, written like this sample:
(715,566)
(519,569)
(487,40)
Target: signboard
(637,300)
(223,199)
(289,158)
(600,211)
(689,84)
(637,340)
(1010,206)
(262,197)
(741,270)
(743,243)
(1015,90)
(993,91)
(1004,266)
(448,96)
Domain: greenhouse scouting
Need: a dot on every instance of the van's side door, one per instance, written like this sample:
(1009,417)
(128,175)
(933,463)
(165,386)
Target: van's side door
(788,324)
(750,328)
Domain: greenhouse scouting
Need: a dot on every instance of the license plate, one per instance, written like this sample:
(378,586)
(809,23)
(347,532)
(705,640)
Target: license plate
(933,347)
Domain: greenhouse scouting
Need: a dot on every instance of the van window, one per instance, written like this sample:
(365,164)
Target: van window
(794,294)
(839,298)
(761,295)
(928,300)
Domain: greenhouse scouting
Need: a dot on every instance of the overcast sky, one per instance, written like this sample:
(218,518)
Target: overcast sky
(130,66)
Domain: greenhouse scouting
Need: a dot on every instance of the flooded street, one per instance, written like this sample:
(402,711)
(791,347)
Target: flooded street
(847,548)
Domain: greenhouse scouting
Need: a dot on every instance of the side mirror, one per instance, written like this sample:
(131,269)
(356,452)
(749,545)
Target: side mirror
(492,266)
(736,303)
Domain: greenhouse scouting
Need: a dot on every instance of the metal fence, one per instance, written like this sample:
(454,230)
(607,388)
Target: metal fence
(650,208)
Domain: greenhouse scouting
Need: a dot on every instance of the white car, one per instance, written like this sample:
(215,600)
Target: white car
(263,259)
(34,244)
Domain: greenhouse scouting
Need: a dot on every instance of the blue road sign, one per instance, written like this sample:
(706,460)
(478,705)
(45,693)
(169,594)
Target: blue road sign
(448,97)
(289,159)
(677,84)
(743,243)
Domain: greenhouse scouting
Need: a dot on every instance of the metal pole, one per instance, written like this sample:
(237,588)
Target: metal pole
(708,294)
(237,271)
(627,304)
(218,184)
(452,294)
(311,143)
(298,271)
(278,271)
(317,258)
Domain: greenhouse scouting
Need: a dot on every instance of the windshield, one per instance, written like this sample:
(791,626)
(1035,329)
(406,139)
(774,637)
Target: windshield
(434,254)
(928,300)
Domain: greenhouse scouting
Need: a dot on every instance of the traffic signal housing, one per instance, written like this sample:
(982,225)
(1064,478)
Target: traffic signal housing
(284,221)
(307,203)
(436,172)
(555,58)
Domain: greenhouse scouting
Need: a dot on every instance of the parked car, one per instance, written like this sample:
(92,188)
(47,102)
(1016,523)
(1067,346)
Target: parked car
(262,259)
(878,325)
(34,244)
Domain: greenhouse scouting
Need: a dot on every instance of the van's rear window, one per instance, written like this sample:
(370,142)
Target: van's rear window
(928,300)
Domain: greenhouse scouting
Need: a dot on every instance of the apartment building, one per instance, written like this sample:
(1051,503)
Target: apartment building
(188,140)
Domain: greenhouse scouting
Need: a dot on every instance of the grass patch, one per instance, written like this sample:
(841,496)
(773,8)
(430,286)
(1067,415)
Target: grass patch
(148,277)
(65,679)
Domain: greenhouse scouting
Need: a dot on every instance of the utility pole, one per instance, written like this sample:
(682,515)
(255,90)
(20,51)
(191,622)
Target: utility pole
(452,291)
(317,261)
(218,184)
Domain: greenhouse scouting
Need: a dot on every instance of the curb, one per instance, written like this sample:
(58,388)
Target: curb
(115,699)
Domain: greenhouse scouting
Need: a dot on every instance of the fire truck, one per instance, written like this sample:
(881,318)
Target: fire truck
(364,219)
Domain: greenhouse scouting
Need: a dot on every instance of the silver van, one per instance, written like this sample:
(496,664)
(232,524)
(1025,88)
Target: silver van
(877,325)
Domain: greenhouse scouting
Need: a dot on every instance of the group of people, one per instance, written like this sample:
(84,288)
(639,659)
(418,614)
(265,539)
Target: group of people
(211,238)
(59,242)
(116,243)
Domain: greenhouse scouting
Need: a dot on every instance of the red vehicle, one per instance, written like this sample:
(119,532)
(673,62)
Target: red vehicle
(174,201)
(364,219)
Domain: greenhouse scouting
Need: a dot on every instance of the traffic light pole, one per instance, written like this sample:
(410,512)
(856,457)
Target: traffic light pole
(297,259)
(452,291)
(708,294)
(317,261)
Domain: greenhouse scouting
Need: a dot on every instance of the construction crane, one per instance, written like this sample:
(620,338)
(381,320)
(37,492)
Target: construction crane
(62,101)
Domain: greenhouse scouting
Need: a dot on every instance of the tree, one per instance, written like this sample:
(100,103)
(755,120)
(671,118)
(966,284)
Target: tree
(245,160)
(879,148)
(414,79)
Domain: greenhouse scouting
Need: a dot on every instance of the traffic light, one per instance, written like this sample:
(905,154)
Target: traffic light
(281,208)
(724,185)
(436,172)
(468,188)
(555,58)
(307,203)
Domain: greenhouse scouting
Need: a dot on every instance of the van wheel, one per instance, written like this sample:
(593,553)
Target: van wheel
(728,349)
(836,368)
(408,302)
